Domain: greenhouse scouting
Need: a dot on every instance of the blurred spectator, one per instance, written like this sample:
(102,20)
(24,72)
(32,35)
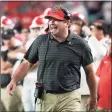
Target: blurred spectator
(6,23)
(20,38)
(77,23)
(9,56)
(78,7)
(37,22)
(18,26)
(99,30)
(25,34)
(107,12)
(105,81)
(97,41)
(94,10)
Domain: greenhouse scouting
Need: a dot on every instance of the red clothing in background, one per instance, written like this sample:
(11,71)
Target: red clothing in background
(104,87)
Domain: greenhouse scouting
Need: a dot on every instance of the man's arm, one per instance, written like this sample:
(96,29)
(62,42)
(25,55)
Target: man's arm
(91,80)
(21,71)
(92,84)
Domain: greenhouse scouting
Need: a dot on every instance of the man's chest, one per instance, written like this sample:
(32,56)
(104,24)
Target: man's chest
(59,52)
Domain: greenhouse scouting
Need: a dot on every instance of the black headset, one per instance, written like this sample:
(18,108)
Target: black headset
(67,13)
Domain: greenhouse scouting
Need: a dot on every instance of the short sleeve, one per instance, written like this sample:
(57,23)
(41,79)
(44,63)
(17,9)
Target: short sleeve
(32,53)
(87,57)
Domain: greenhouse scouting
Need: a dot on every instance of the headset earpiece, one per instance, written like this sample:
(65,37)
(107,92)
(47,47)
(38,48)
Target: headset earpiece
(67,13)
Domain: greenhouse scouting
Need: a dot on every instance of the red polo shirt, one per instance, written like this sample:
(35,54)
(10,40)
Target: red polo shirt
(104,87)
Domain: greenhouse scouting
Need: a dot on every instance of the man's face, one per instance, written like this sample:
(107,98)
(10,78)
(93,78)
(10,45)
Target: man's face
(35,31)
(57,27)
(76,29)
(97,31)
(25,32)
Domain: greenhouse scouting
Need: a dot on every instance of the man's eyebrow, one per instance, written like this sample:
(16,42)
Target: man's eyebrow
(55,19)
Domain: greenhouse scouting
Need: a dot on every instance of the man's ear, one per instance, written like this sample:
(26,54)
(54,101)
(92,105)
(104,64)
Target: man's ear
(68,23)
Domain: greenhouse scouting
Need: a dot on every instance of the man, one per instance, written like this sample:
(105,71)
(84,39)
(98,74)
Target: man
(60,55)
(98,42)
(77,24)
(9,55)
(99,30)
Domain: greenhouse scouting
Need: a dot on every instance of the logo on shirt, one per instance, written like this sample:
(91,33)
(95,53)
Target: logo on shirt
(69,43)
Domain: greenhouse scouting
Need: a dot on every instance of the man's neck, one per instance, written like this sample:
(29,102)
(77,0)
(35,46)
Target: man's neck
(61,38)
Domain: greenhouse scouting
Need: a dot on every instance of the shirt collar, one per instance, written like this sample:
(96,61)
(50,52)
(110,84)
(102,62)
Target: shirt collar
(69,38)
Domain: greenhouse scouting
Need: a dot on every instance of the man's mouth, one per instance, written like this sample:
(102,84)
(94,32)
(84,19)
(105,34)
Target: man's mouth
(53,27)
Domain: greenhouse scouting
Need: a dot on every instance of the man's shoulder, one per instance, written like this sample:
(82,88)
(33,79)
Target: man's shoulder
(78,39)
(42,37)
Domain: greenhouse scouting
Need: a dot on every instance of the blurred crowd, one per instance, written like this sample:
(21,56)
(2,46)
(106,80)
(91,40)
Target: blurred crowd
(90,20)
(22,12)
